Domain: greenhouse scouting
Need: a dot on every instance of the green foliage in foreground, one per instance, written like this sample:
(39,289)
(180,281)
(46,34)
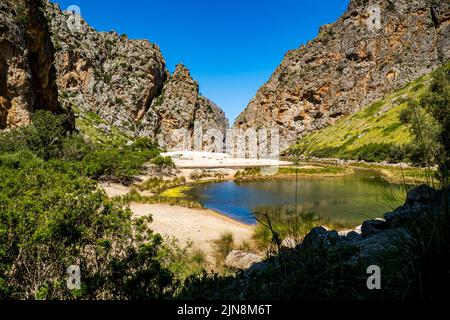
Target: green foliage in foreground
(429,122)
(51,218)
(52,215)
(46,137)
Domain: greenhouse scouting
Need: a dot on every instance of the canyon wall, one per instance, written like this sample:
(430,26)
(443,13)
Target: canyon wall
(376,47)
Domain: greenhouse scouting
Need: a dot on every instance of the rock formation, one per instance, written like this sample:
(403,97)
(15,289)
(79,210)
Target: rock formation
(126,82)
(27,73)
(180,106)
(368,243)
(380,235)
(237,259)
(377,46)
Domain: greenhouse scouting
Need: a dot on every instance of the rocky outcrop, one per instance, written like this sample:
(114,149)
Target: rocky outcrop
(237,259)
(180,111)
(377,46)
(126,82)
(27,72)
(368,244)
(379,235)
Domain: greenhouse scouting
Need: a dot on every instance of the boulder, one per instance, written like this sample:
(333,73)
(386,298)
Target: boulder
(419,201)
(353,236)
(405,215)
(320,237)
(373,248)
(373,226)
(237,259)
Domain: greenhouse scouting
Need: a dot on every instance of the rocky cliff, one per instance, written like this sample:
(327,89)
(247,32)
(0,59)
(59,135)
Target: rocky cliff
(27,73)
(377,46)
(125,82)
(45,51)
(180,106)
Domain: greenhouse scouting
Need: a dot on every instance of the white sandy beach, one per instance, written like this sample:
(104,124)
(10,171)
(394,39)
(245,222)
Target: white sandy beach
(199,226)
(196,159)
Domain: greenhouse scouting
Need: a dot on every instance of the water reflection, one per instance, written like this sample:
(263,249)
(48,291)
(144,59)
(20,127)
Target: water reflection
(349,199)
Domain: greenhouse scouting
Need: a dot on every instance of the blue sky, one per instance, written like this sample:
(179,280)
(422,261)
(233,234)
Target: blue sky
(231,46)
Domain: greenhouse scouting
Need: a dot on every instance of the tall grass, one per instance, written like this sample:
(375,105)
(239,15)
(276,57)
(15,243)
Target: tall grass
(222,247)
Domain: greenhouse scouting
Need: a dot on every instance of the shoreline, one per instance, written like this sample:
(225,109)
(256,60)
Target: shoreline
(201,227)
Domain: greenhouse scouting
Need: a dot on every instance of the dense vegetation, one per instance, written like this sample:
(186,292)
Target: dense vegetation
(429,122)
(52,215)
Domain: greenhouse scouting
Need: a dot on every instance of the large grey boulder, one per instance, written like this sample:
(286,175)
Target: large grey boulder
(422,194)
(419,201)
(238,259)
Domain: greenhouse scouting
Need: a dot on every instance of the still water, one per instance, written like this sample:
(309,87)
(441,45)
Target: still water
(351,199)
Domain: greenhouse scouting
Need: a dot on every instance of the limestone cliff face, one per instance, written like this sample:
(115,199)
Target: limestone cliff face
(180,106)
(376,47)
(27,73)
(103,72)
(124,81)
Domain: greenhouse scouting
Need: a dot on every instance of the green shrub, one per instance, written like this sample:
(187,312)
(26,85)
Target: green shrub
(143,144)
(199,258)
(75,148)
(379,152)
(44,136)
(52,218)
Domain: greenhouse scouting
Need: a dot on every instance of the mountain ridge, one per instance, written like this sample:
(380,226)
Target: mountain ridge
(101,73)
(376,47)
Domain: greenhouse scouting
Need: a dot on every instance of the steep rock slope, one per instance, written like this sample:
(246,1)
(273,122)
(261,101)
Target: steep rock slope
(180,106)
(124,82)
(376,47)
(27,74)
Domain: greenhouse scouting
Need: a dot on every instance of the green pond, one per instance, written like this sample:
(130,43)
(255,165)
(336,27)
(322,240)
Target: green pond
(347,200)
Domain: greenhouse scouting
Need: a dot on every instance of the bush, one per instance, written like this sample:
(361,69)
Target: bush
(116,165)
(379,152)
(75,148)
(143,144)
(51,219)
(429,120)
(44,136)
